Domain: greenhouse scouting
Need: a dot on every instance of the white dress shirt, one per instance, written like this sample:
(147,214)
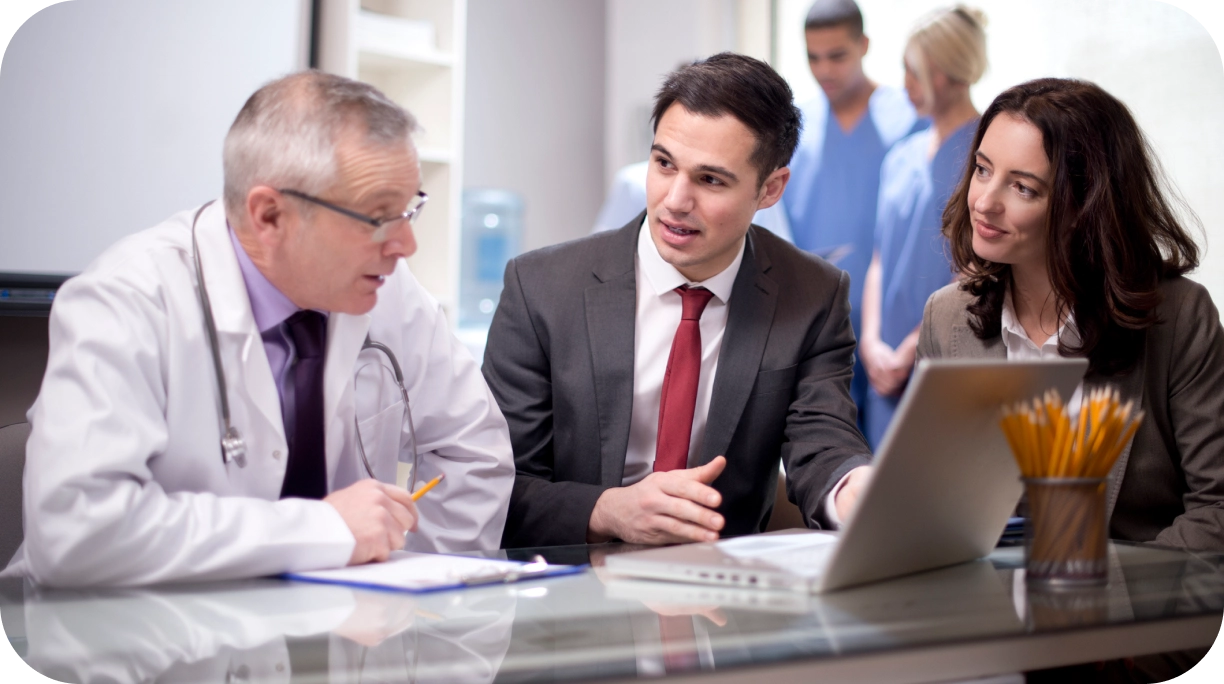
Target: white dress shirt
(1021,348)
(658,315)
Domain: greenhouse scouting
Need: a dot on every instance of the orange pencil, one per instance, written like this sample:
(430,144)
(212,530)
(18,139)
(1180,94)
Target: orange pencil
(428,486)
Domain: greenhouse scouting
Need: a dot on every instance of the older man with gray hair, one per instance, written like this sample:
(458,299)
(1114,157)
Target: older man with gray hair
(227,394)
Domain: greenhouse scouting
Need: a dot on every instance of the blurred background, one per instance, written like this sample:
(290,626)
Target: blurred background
(112,112)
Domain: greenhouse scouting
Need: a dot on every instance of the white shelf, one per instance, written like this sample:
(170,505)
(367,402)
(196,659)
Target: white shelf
(435,155)
(399,38)
(413,50)
(390,55)
(408,54)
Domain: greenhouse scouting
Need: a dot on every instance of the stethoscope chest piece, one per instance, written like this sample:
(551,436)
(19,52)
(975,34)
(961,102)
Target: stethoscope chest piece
(233,448)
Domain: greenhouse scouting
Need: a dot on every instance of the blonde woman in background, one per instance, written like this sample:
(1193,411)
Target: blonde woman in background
(945,55)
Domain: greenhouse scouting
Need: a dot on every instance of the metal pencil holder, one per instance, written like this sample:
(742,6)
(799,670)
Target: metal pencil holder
(1066,534)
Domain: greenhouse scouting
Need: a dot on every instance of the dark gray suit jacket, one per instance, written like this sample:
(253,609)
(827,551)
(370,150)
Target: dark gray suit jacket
(559,360)
(1168,485)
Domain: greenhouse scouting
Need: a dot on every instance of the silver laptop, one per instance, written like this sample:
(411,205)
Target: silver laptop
(944,486)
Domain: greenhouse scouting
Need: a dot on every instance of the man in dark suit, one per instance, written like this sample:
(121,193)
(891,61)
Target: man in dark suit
(653,376)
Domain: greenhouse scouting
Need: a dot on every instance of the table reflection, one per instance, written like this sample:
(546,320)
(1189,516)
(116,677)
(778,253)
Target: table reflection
(266,631)
(587,626)
(630,630)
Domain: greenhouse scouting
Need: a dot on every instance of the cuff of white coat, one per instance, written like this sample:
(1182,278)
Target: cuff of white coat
(334,541)
(830,506)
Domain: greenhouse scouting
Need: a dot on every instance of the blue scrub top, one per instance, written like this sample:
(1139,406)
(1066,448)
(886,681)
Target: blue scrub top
(835,177)
(914,257)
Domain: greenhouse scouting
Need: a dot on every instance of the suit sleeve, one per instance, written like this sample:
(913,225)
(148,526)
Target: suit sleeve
(927,343)
(1196,375)
(823,441)
(518,370)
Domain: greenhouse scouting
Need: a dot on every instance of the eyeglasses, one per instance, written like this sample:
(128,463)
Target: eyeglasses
(380,225)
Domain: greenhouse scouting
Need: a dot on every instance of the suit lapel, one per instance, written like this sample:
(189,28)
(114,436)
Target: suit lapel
(967,345)
(749,319)
(611,315)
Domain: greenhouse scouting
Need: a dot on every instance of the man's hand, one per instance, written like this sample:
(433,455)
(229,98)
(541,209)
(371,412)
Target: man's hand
(666,507)
(847,497)
(377,617)
(598,556)
(378,515)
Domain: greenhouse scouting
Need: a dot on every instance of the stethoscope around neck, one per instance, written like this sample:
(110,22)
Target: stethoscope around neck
(233,446)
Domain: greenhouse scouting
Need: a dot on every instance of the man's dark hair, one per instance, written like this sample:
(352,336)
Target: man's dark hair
(745,88)
(825,14)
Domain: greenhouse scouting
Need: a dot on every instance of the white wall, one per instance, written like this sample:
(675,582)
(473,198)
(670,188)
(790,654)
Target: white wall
(112,114)
(554,86)
(646,40)
(1154,57)
(535,110)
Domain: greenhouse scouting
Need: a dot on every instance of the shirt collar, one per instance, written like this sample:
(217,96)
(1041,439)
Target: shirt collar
(663,277)
(1014,333)
(269,306)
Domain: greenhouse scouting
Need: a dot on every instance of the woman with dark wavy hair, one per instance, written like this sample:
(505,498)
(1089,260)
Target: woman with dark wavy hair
(1068,245)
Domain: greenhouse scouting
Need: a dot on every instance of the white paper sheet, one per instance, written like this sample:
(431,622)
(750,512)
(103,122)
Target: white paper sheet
(804,555)
(416,572)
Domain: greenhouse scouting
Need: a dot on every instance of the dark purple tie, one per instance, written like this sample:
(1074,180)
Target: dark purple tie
(306,472)
(679,397)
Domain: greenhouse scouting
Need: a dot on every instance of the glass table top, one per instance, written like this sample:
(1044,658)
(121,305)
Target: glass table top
(586,626)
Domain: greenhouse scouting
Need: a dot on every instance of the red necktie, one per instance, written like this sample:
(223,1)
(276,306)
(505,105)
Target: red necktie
(680,383)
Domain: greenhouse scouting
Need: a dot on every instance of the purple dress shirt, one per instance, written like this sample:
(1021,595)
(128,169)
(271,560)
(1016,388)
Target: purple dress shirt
(270,308)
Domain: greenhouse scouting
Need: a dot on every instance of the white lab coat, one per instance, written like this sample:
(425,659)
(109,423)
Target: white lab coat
(124,480)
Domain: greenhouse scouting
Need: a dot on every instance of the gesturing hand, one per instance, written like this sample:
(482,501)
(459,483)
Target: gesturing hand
(378,515)
(665,507)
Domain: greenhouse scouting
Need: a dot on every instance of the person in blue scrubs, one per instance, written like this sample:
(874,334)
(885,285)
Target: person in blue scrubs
(847,129)
(945,55)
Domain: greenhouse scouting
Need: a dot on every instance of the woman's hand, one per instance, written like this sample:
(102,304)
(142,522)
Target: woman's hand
(887,369)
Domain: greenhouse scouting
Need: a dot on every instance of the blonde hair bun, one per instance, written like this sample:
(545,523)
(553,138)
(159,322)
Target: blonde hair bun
(952,40)
(977,15)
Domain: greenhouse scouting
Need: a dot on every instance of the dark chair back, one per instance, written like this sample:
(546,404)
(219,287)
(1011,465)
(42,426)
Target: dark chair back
(12,464)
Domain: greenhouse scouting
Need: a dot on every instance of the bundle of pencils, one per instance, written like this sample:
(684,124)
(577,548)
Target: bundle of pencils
(1046,444)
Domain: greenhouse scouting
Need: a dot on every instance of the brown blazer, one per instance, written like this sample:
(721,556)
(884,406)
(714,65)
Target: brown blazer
(1168,485)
